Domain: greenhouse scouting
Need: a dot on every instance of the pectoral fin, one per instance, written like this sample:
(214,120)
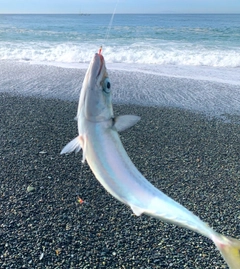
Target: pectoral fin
(74,145)
(121,123)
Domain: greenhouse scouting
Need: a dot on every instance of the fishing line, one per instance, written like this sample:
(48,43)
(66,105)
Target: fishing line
(111,21)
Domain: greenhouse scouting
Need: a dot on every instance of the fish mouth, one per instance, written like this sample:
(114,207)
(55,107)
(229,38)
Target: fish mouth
(101,71)
(98,63)
(97,71)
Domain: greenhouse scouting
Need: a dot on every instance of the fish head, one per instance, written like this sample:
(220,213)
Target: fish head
(96,98)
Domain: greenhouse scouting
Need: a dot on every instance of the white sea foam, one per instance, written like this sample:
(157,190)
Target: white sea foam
(183,61)
(140,53)
(201,64)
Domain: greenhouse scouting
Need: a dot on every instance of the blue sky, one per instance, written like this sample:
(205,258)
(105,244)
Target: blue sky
(124,6)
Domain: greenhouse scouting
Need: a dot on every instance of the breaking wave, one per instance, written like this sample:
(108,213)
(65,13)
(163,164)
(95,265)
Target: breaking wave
(140,53)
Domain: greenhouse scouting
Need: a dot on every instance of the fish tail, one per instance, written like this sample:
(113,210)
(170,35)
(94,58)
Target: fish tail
(229,248)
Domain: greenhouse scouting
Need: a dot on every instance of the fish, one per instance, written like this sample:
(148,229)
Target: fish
(98,138)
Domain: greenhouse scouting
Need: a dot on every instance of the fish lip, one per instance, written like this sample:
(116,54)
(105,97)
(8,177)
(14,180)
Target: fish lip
(101,62)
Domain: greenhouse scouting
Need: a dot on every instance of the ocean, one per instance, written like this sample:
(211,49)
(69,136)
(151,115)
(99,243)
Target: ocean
(189,61)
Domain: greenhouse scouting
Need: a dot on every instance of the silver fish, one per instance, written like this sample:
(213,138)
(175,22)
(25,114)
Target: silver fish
(102,148)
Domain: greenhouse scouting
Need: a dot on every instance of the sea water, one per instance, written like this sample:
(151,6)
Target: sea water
(190,61)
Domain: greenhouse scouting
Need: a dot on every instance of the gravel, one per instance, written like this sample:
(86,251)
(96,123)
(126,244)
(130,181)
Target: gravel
(44,224)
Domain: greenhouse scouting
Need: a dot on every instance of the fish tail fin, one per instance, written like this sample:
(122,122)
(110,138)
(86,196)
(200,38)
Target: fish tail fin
(230,250)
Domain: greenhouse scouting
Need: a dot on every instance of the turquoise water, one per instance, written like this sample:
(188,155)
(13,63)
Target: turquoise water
(187,61)
(190,40)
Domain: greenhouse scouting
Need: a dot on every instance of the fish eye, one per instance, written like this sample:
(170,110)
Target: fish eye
(106,85)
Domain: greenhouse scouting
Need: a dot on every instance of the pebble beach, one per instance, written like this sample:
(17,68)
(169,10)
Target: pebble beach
(55,214)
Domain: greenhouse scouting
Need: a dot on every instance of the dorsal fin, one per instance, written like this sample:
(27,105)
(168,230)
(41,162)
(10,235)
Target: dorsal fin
(74,145)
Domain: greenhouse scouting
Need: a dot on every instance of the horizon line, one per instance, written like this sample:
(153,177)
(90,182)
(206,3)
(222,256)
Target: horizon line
(130,13)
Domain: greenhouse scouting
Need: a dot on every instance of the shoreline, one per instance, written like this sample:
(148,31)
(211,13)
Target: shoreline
(191,158)
(212,98)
